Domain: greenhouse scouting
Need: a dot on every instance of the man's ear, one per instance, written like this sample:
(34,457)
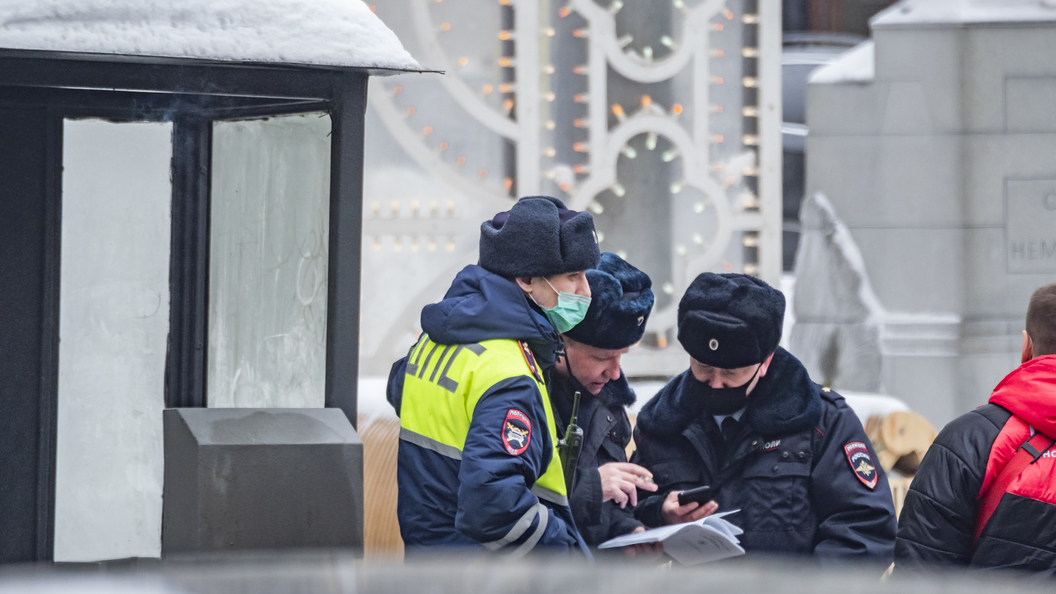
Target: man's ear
(765,365)
(525,283)
(1028,348)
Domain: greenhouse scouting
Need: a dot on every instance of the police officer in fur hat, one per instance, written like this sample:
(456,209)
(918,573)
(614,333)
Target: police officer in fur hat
(747,420)
(477,462)
(605,487)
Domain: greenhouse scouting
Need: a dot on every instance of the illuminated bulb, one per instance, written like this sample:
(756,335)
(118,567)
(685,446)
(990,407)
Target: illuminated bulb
(508,104)
(646,100)
(432,244)
(550,124)
(717,53)
(505,87)
(699,207)
(670,155)
(718,168)
(750,82)
(483,173)
(450,208)
(450,245)
(615,6)
(750,52)
(749,201)
(372,8)
(717,27)
(415,205)
(698,239)
(717,80)
(661,341)
(617,110)
(581,69)
(443,146)
(727,266)
(550,151)
(397,245)
(650,141)
(410,111)
(377,244)
(676,108)
(751,171)
(549,96)
(726,12)
(680,250)
(505,35)
(549,32)
(488,89)
(507,182)
(750,241)
(505,62)
(717,138)
(750,111)
(395,206)
(549,69)
(750,19)
(414,245)
(597,208)
(601,237)
(647,52)
(580,98)
(426,131)
(750,140)
(625,41)
(667,287)
(751,269)
(619,190)
(622,254)
(579,123)
(676,187)
(716,109)
(666,41)
(504,2)
(579,147)
(463,61)
(460,161)
(551,174)
(730,181)
(564,12)
(679,4)
(629,151)
(445,26)
(581,169)
(397,90)
(565,186)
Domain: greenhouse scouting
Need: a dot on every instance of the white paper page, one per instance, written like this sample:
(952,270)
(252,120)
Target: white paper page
(715,522)
(701,544)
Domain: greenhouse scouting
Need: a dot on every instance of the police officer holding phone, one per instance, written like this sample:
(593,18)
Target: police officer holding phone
(747,421)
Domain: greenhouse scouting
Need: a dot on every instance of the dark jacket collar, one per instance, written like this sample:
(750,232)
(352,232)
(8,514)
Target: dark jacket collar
(484,306)
(784,401)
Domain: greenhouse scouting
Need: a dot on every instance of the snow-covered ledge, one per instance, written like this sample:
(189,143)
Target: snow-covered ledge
(336,33)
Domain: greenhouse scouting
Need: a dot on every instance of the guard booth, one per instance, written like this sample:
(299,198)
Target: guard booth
(180,222)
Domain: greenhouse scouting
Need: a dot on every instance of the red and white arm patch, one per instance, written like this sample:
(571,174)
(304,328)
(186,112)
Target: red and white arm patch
(861,463)
(516,432)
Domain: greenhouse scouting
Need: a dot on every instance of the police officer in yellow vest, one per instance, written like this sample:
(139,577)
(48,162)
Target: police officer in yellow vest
(477,461)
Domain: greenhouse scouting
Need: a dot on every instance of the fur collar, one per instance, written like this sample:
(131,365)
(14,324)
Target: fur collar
(784,401)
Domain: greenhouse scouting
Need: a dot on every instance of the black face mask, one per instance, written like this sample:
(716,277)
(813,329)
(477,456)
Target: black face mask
(722,401)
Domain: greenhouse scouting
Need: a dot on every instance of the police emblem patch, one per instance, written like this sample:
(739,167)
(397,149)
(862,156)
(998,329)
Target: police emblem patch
(529,358)
(861,463)
(516,432)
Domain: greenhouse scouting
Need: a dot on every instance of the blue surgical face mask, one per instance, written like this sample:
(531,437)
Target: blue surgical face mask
(570,310)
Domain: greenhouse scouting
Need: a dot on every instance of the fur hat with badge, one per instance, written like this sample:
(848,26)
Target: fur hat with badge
(539,236)
(730,320)
(620,302)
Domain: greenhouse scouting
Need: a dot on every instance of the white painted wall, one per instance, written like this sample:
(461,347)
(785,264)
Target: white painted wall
(113,322)
(268,262)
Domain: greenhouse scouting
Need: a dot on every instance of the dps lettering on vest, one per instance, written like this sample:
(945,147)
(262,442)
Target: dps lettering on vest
(442,387)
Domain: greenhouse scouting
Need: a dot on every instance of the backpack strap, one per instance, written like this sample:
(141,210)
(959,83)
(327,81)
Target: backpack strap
(1027,454)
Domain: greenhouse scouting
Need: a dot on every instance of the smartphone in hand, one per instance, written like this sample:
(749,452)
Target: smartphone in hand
(699,495)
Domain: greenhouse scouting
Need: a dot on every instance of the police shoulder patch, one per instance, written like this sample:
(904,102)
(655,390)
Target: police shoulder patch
(861,463)
(516,432)
(529,358)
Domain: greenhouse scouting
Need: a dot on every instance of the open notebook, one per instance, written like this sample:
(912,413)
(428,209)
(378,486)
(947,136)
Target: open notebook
(708,539)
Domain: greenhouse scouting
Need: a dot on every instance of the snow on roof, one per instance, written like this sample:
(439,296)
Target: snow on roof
(856,65)
(343,33)
(924,13)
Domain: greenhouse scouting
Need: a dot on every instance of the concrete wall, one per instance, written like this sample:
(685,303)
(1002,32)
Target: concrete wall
(941,167)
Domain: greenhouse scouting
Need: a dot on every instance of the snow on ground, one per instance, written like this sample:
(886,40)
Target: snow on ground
(855,65)
(317,32)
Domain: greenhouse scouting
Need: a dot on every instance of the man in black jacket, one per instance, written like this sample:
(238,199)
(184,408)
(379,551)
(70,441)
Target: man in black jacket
(747,420)
(604,490)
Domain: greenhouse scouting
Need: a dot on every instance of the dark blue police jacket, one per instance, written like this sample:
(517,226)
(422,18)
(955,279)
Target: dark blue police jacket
(482,306)
(802,470)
